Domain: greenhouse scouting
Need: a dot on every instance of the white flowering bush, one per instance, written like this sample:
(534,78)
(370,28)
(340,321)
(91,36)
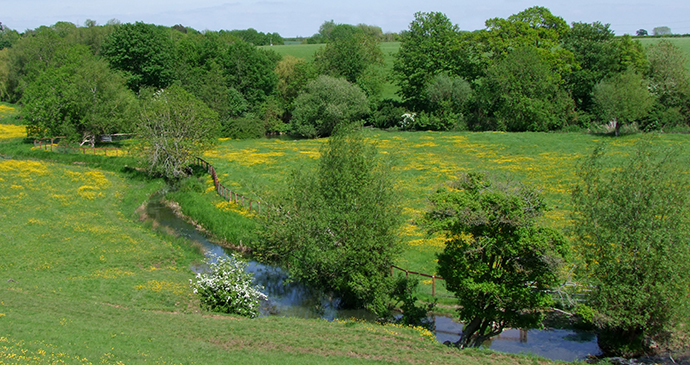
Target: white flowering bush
(407,120)
(227,287)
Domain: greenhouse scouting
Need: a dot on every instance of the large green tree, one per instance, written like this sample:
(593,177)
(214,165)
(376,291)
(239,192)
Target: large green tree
(632,229)
(144,52)
(622,99)
(336,228)
(80,100)
(669,82)
(521,92)
(497,260)
(356,57)
(429,47)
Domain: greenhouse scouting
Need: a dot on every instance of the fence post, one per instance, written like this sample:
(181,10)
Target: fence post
(391,270)
(407,274)
(259,204)
(433,285)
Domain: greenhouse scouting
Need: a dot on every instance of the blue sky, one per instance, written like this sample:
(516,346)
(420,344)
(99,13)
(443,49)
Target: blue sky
(303,17)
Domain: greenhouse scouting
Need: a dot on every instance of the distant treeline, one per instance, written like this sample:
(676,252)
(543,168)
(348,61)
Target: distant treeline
(529,72)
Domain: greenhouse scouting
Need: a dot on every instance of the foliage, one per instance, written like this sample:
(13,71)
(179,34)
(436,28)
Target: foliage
(521,93)
(250,70)
(349,56)
(325,104)
(243,128)
(80,100)
(631,224)
(144,52)
(412,315)
(174,127)
(293,75)
(447,93)
(622,99)
(428,48)
(252,36)
(227,288)
(388,115)
(668,77)
(336,228)
(497,260)
(661,30)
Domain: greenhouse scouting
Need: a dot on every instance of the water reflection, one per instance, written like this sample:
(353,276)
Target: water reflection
(291,299)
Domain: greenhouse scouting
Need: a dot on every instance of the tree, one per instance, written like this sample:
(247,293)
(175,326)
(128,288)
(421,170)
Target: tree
(622,99)
(250,70)
(336,228)
(144,52)
(430,47)
(661,31)
(641,33)
(630,219)
(325,104)
(352,56)
(521,92)
(174,127)
(498,261)
(668,79)
(80,100)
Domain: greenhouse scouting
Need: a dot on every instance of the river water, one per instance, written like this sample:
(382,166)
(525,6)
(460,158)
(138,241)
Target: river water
(291,299)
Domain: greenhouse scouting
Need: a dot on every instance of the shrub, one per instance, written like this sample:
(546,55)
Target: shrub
(336,228)
(243,128)
(227,288)
(326,103)
(631,223)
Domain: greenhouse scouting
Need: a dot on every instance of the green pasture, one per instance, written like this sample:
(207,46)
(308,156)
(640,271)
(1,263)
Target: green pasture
(426,160)
(681,42)
(83,282)
(86,279)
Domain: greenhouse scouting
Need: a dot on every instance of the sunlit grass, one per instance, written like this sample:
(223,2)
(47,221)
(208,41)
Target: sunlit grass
(82,282)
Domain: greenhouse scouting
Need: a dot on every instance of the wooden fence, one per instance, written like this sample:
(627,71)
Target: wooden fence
(226,193)
(408,272)
(54,147)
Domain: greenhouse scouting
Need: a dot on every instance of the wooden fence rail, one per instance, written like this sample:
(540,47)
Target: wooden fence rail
(408,272)
(226,193)
(44,145)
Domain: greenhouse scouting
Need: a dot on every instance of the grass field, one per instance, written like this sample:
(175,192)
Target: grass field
(424,161)
(83,281)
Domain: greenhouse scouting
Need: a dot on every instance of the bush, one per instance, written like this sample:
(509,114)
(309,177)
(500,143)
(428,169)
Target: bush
(227,288)
(388,115)
(336,228)
(243,128)
(326,103)
(631,223)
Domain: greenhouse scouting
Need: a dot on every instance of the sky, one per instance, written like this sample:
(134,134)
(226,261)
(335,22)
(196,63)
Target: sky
(303,17)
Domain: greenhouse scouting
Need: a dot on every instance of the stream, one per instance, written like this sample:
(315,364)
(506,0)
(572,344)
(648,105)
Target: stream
(291,299)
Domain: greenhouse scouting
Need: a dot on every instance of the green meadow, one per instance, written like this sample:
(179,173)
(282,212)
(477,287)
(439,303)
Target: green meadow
(426,160)
(85,278)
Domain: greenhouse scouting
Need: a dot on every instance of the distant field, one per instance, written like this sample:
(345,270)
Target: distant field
(682,43)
